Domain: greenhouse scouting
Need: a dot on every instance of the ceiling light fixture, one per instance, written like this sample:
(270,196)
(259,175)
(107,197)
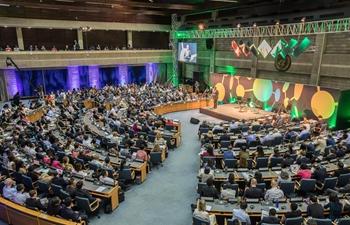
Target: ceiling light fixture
(85,28)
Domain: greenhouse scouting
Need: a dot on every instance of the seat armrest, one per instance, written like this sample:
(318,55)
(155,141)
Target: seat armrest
(94,205)
(320,188)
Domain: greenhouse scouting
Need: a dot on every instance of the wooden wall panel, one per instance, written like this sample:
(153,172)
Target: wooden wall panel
(8,37)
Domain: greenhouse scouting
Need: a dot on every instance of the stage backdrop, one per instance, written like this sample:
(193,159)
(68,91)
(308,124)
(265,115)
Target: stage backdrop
(309,101)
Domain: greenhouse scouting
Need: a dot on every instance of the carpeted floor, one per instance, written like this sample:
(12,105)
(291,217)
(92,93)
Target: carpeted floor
(165,197)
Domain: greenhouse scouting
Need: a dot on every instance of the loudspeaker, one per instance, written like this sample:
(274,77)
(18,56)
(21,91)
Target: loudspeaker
(194,120)
(210,43)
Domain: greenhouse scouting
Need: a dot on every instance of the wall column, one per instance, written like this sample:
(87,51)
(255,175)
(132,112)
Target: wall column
(129,38)
(94,74)
(254,68)
(10,82)
(212,58)
(20,38)
(80,38)
(73,77)
(123,74)
(320,44)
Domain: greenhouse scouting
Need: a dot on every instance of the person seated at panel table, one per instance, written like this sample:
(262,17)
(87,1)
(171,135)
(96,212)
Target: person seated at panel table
(271,219)
(54,206)
(208,173)
(268,137)
(320,143)
(78,169)
(224,137)
(68,213)
(105,179)
(82,155)
(330,140)
(302,158)
(314,209)
(125,151)
(341,170)
(244,152)
(283,177)
(289,132)
(303,172)
(258,177)
(218,128)
(287,160)
(275,154)
(229,154)
(20,197)
(319,173)
(240,140)
(242,162)
(295,212)
(210,190)
(35,202)
(274,192)
(204,124)
(128,141)
(335,207)
(228,192)
(341,150)
(331,155)
(253,191)
(251,136)
(141,141)
(241,213)
(201,212)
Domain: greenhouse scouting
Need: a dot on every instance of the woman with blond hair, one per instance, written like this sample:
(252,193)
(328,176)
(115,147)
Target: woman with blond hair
(201,212)
(159,139)
(156,148)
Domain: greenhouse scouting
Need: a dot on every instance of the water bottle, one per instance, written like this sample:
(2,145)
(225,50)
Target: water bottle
(225,169)
(277,203)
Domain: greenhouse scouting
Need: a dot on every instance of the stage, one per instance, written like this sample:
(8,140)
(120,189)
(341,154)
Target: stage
(228,112)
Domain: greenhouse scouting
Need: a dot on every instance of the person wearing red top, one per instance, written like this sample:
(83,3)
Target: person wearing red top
(304,172)
(8,48)
(54,49)
(142,154)
(209,152)
(168,121)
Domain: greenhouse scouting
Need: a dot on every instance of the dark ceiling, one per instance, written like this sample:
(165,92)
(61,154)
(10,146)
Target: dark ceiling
(157,11)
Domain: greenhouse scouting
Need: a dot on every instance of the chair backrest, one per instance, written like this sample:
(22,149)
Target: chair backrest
(317,152)
(235,187)
(330,183)
(278,140)
(294,156)
(169,126)
(250,163)
(323,221)
(304,136)
(156,157)
(64,194)
(203,130)
(131,133)
(275,161)
(261,186)
(240,144)
(80,161)
(344,221)
(343,180)
(93,166)
(254,143)
(293,221)
(43,187)
(326,150)
(125,174)
(27,181)
(270,143)
(121,130)
(256,127)
(307,185)
(230,222)
(56,189)
(206,158)
(18,176)
(230,163)
(200,187)
(83,203)
(134,149)
(293,138)
(244,128)
(287,187)
(262,162)
(151,138)
(200,221)
(144,134)
(235,131)
(225,143)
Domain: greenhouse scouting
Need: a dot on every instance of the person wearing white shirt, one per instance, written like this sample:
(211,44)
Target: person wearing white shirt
(19,197)
(274,192)
(9,189)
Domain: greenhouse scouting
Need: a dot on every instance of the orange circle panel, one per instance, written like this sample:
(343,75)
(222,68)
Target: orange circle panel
(322,103)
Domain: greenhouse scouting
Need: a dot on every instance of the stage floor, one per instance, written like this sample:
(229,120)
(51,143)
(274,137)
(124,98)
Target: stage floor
(228,112)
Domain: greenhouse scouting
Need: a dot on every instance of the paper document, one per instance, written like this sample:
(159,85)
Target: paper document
(208,208)
(100,189)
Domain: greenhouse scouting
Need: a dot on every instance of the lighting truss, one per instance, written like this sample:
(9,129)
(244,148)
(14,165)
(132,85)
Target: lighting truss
(317,27)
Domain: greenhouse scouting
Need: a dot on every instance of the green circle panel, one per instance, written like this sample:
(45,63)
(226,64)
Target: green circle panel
(262,89)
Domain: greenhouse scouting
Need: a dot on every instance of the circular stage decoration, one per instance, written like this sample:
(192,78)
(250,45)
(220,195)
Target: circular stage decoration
(231,82)
(220,87)
(318,102)
(262,89)
(298,89)
(285,87)
(283,64)
(277,95)
(240,90)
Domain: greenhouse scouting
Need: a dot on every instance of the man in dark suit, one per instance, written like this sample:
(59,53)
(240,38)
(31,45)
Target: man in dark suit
(84,157)
(331,155)
(34,201)
(204,124)
(58,180)
(320,174)
(225,137)
(303,158)
(210,190)
(141,142)
(71,187)
(271,219)
(340,170)
(253,191)
(80,192)
(54,207)
(330,140)
(68,213)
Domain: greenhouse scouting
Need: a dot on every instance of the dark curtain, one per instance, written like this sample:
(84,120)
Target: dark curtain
(108,76)
(56,80)
(137,74)
(34,76)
